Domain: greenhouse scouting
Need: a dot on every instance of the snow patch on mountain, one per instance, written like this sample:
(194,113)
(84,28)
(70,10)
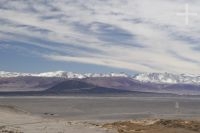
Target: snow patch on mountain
(61,74)
(168,78)
(161,78)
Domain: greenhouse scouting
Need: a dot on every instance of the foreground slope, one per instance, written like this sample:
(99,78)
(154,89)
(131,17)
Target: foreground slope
(156,126)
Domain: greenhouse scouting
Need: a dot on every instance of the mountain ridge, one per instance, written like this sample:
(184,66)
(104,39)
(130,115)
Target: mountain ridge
(165,78)
(61,74)
(99,84)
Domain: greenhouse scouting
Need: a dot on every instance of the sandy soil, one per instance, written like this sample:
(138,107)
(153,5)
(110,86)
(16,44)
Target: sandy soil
(14,120)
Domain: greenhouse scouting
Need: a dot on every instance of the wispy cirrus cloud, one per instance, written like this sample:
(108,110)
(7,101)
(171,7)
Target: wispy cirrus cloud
(138,35)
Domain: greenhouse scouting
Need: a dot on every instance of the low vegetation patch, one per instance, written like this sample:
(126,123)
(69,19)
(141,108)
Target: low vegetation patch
(155,126)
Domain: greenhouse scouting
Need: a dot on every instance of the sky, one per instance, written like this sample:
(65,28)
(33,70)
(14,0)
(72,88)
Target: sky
(131,36)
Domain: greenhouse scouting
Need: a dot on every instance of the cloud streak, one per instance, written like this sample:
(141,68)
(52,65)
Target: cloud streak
(138,35)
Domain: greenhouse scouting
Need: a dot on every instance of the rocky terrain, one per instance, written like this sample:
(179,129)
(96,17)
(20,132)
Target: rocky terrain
(156,126)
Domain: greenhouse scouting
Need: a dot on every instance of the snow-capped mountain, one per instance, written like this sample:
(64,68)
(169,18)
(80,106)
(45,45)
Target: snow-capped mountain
(182,84)
(161,78)
(61,74)
(4,74)
(168,78)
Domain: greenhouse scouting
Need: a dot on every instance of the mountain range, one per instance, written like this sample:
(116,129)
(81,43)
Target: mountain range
(69,82)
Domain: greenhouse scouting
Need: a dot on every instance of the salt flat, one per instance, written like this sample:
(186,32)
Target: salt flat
(107,108)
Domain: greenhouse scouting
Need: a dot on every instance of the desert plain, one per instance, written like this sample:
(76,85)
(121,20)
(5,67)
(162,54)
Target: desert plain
(73,114)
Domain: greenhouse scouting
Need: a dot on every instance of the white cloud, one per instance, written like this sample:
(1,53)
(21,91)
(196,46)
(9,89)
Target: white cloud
(152,25)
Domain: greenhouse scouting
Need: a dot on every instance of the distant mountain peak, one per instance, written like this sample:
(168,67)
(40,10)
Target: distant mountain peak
(161,78)
(61,74)
(168,78)
(182,84)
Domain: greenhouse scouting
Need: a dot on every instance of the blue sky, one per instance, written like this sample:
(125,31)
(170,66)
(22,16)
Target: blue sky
(99,36)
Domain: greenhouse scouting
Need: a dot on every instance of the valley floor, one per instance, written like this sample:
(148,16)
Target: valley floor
(16,121)
(99,115)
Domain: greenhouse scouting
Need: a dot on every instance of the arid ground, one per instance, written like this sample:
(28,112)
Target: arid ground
(99,115)
(155,126)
